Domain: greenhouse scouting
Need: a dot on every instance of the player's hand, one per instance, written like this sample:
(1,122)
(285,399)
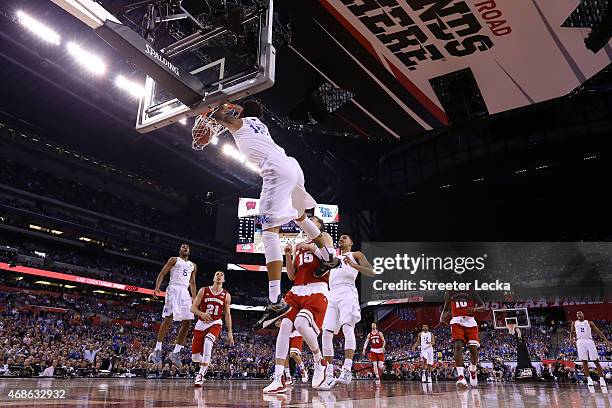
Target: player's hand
(206,317)
(288,249)
(156,292)
(349,262)
(230,338)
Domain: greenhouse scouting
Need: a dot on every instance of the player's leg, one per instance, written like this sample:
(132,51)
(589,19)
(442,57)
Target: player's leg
(424,367)
(458,336)
(197,349)
(156,356)
(600,373)
(473,349)
(297,357)
(331,324)
(381,366)
(175,356)
(350,344)
(282,350)
(288,377)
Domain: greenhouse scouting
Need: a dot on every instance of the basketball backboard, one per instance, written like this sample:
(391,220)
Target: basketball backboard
(503,317)
(193,62)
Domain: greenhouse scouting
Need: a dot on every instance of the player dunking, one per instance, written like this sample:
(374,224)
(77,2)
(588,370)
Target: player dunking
(427,342)
(464,331)
(209,305)
(308,300)
(283,197)
(377,350)
(587,351)
(178,302)
(343,310)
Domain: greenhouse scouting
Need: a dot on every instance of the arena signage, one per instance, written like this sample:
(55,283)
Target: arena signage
(78,279)
(518,51)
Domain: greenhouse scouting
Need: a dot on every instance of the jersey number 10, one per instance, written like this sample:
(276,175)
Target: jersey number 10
(461,304)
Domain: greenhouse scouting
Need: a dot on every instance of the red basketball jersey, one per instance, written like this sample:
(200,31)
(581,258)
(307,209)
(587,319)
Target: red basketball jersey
(213,304)
(460,302)
(306,263)
(375,339)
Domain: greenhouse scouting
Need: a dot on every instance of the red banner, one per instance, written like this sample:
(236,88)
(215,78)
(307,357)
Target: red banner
(78,279)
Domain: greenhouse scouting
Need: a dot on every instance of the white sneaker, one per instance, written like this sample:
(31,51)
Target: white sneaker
(288,380)
(328,384)
(276,387)
(199,380)
(345,377)
(602,382)
(473,378)
(589,381)
(319,374)
(461,382)
(305,377)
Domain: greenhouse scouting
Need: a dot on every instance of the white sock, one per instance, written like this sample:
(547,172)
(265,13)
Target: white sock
(460,371)
(348,364)
(316,357)
(158,345)
(274,290)
(177,348)
(287,372)
(473,368)
(279,369)
(203,369)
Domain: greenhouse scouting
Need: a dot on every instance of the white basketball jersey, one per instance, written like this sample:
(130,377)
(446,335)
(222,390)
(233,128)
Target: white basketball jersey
(180,274)
(344,274)
(425,340)
(583,330)
(255,143)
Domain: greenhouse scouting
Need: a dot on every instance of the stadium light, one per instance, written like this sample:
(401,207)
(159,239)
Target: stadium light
(214,140)
(133,88)
(87,59)
(229,150)
(37,28)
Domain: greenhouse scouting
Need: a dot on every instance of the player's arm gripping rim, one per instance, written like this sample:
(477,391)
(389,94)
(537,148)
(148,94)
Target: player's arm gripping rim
(365,345)
(160,277)
(416,342)
(195,307)
(223,116)
(599,332)
(362,264)
(228,319)
(289,262)
(192,282)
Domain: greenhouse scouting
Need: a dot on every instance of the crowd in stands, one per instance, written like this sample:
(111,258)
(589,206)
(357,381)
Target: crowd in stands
(104,335)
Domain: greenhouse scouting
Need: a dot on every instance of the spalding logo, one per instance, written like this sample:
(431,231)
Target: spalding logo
(157,56)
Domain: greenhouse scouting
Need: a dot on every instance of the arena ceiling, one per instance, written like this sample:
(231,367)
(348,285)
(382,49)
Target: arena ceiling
(385,56)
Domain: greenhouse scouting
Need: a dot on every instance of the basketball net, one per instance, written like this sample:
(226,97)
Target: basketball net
(205,128)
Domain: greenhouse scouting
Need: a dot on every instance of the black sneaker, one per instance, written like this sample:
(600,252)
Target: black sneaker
(273,312)
(326,266)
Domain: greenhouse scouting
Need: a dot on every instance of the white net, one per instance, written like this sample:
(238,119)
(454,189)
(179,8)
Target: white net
(205,130)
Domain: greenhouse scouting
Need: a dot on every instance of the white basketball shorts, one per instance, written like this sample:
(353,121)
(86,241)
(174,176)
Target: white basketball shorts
(586,350)
(283,197)
(342,308)
(178,303)
(428,354)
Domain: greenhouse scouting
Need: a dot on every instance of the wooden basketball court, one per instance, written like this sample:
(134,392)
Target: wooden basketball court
(119,392)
